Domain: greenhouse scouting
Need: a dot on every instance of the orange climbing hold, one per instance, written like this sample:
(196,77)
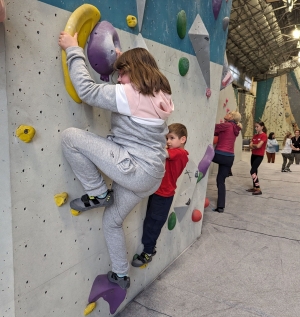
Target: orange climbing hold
(207,202)
(196,215)
(216,139)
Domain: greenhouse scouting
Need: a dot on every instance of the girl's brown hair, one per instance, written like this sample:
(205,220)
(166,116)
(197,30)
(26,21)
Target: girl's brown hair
(288,133)
(264,129)
(143,71)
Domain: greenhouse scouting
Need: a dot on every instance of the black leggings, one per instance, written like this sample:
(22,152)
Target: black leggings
(255,162)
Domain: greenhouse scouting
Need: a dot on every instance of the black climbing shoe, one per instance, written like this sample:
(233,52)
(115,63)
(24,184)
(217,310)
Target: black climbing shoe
(123,282)
(87,202)
(142,259)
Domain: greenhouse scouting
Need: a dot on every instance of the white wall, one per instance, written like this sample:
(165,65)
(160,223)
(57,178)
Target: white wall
(57,256)
(6,245)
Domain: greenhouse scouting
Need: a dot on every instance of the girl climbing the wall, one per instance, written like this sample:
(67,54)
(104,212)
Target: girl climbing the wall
(224,152)
(133,155)
(258,146)
(286,152)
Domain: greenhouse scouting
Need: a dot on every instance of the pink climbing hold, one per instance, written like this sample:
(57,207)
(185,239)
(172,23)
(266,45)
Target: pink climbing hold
(221,121)
(226,100)
(224,105)
(206,203)
(110,292)
(227,110)
(216,4)
(196,215)
(208,92)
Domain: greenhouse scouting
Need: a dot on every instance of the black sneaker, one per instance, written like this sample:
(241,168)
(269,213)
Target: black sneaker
(142,259)
(218,209)
(123,282)
(283,171)
(287,170)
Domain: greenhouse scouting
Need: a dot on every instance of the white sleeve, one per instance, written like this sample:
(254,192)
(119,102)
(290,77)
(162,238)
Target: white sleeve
(122,102)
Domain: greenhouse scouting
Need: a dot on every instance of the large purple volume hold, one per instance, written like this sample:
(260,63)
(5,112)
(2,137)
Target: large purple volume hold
(205,162)
(101,50)
(110,292)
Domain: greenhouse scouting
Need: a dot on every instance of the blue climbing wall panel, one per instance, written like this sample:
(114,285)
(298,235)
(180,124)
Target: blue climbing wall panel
(160,18)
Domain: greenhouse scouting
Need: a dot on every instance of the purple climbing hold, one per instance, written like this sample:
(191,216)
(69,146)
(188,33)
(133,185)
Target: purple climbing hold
(110,292)
(205,162)
(216,7)
(101,51)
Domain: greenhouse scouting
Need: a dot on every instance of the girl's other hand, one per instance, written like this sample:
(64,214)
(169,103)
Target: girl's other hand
(66,40)
(118,52)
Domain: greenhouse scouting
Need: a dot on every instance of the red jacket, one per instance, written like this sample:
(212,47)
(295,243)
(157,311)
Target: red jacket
(227,133)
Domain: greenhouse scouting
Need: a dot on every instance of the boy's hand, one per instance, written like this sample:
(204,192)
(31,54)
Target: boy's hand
(66,40)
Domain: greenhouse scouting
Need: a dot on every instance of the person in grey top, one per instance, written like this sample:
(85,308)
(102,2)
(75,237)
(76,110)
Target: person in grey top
(133,155)
(272,147)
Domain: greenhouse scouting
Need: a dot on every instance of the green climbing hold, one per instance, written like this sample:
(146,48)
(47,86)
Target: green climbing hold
(199,177)
(181,24)
(183,66)
(172,221)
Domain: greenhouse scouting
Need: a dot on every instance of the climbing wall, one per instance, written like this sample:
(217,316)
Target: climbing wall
(57,256)
(277,114)
(247,109)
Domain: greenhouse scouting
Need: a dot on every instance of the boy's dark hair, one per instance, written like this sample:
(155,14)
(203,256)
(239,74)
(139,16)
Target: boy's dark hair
(179,129)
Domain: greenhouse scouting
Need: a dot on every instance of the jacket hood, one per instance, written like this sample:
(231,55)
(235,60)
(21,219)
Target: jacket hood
(236,128)
(163,104)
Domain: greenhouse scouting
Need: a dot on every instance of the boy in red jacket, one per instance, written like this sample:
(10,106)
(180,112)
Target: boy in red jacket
(160,202)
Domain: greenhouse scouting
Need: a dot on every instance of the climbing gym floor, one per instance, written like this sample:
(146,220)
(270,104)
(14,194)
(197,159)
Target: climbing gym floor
(246,262)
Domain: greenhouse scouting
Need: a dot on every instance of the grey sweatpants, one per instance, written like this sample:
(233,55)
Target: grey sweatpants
(86,153)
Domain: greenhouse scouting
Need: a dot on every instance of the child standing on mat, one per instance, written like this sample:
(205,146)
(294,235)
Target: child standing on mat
(258,146)
(133,156)
(160,202)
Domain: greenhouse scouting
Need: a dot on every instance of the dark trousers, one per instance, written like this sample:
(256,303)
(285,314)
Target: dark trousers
(225,164)
(255,162)
(271,157)
(287,156)
(157,213)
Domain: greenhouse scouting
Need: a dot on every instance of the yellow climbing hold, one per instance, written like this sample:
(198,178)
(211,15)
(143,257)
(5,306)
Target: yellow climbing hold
(131,21)
(75,212)
(61,198)
(89,308)
(25,133)
(81,21)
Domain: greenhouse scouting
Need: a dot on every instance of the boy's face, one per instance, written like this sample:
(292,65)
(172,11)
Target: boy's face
(173,141)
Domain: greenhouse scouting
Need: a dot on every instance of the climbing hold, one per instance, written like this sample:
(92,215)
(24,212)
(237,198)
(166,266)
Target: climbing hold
(140,5)
(205,162)
(101,51)
(225,23)
(82,21)
(89,308)
(61,198)
(110,292)
(221,120)
(207,202)
(181,24)
(2,11)
(227,110)
(172,221)
(216,4)
(216,139)
(199,37)
(25,133)
(131,21)
(208,92)
(75,212)
(183,66)
(196,215)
